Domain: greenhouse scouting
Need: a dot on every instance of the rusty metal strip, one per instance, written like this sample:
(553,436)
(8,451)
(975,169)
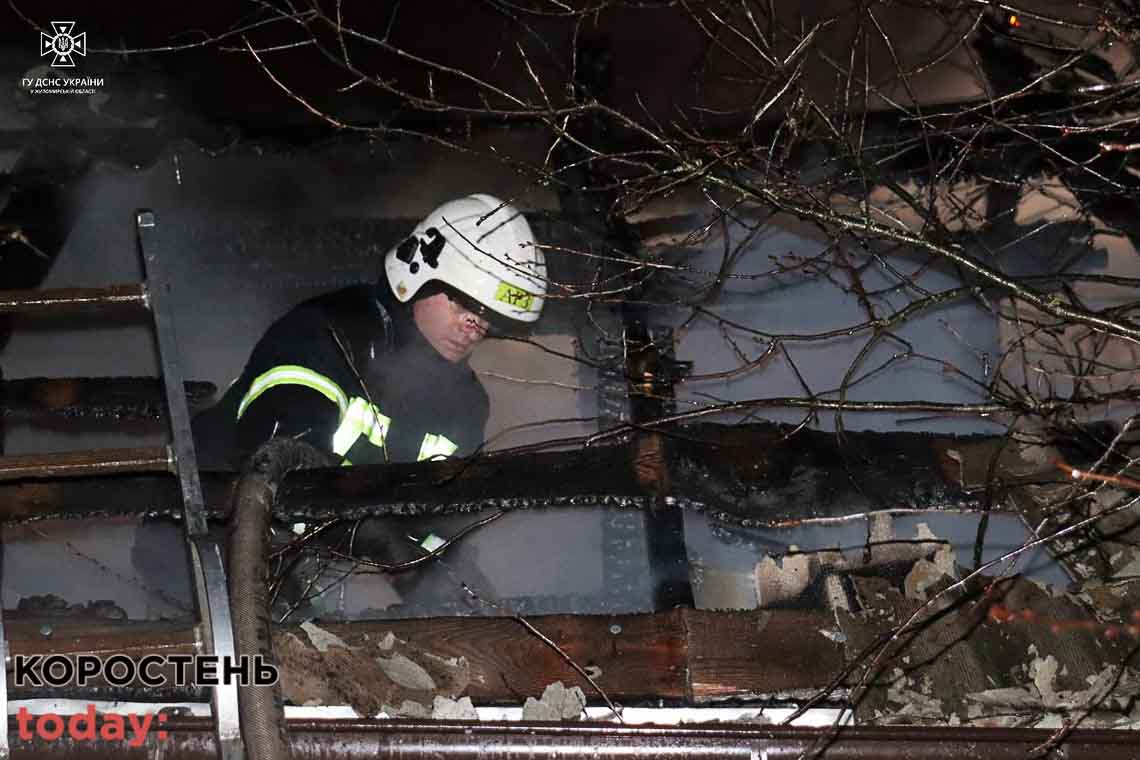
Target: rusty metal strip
(205,555)
(190,738)
(70,300)
(184,458)
(4,748)
(212,595)
(75,464)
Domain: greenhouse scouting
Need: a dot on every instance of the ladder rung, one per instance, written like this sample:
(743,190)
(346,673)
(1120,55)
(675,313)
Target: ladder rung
(66,300)
(73,464)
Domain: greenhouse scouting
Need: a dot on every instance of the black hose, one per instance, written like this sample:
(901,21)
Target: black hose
(260,707)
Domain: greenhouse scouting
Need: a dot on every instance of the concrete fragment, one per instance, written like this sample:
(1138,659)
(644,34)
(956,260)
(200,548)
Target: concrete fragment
(1044,672)
(836,593)
(915,703)
(557,703)
(927,573)
(924,533)
(407,709)
(1129,566)
(1099,687)
(455,663)
(406,673)
(777,582)
(1011,697)
(1123,522)
(322,639)
(922,576)
(453,709)
(944,560)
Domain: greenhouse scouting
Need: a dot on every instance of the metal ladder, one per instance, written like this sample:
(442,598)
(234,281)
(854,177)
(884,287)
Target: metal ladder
(205,555)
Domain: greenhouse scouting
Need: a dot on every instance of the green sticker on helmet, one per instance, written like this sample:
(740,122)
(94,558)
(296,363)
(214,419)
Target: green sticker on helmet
(512,296)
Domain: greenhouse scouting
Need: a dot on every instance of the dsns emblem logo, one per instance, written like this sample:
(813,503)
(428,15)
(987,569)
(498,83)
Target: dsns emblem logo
(63,44)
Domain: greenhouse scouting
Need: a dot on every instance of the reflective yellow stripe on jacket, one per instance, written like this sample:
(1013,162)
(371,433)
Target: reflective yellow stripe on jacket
(361,418)
(435,446)
(357,417)
(291,374)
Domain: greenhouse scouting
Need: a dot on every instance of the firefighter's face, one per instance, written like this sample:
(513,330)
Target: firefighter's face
(451,329)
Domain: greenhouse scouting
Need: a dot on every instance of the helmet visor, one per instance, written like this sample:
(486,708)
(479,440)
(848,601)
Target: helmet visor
(499,326)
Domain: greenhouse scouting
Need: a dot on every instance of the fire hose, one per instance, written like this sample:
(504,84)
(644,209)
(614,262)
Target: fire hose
(261,708)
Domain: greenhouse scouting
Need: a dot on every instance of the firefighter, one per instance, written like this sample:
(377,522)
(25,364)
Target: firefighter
(378,373)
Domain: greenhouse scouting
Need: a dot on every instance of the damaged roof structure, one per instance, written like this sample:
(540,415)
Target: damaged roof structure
(824,446)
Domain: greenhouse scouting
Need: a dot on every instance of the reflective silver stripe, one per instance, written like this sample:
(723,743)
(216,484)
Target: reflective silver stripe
(436,446)
(291,374)
(360,418)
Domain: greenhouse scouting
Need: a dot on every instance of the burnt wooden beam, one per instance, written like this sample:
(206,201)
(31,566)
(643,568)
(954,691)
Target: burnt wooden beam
(105,398)
(750,474)
(691,656)
(683,655)
(49,634)
(79,464)
(72,300)
(593,477)
(734,655)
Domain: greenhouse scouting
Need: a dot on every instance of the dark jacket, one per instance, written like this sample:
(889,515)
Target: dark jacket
(350,373)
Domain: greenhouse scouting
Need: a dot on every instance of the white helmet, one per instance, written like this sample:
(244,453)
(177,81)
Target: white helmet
(482,247)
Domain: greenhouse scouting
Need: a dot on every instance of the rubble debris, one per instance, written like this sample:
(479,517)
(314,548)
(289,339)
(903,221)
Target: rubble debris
(1108,601)
(1041,697)
(1044,672)
(557,703)
(913,703)
(1126,522)
(443,708)
(965,663)
(322,639)
(407,709)
(1126,564)
(406,673)
(790,577)
(927,573)
(922,532)
(330,670)
(1015,698)
(781,581)
(836,593)
(1108,680)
